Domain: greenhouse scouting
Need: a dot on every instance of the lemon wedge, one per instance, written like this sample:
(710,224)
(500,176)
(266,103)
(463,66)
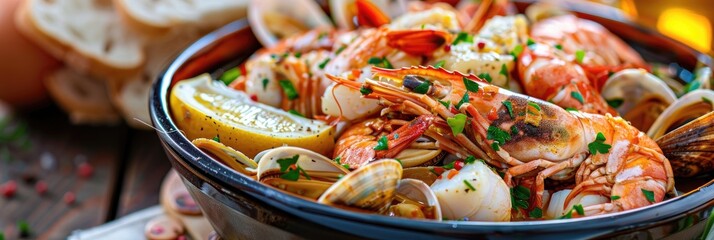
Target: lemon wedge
(203,108)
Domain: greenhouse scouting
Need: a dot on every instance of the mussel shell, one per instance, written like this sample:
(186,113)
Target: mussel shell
(690,148)
(371,187)
(301,13)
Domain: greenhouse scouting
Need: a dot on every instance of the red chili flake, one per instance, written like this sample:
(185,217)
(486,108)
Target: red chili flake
(85,170)
(447,48)
(8,189)
(452,174)
(458,165)
(481,45)
(439,170)
(69,198)
(254,97)
(41,187)
(493,114)
(454,110)
(356,73)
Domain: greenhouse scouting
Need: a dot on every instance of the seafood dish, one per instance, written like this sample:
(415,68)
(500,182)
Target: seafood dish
(451,111)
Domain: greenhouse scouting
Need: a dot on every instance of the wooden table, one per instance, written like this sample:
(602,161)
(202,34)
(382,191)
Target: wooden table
(128,168)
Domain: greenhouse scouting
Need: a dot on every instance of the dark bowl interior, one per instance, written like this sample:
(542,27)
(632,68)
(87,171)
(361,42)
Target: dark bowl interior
(239,207)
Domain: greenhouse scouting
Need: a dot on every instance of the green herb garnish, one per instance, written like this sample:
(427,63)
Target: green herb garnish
(289,89)
(468,184)
(324,63)
(449,166)
(439,64)
(530,42)
(570,109)
(298,55)
(463,100)
(509,107)
(559,47)
(382,144)
(615,103)
(229,76)
(217,139)
(285,163)
(463,37)
(374,60)
(445,103)
(265,83)
(517,51)
(707,100)
(457,123)
(649,195)
(579,209)
(578,97)
(615,197)
(295,112)
(485,76)
(579,56)
(536,213)
(364,90)
(470,159)
(519,197)
(599,145)
(423,88)
(339,50)
(504,72)
(471,86)
(497,135)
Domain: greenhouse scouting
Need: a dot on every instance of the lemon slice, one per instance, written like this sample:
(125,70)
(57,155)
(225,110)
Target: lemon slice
(203,108)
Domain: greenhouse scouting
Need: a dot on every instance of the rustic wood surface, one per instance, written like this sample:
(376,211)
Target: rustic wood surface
(128,168)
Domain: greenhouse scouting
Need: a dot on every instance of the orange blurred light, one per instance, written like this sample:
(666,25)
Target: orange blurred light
(686,26)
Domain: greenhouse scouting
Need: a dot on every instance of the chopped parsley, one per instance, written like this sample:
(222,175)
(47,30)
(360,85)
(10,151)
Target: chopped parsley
(217,139)
(382,144)
(365,90)
(579,209)
(298,55)
(472,86)
(463,37)
(295,112)
(324,63)
(399,161)
(344,165)
(504,72)
(380,62)
(289,173)
(24,228)
(615,103)
(470,159)
(449,166)
(339,50)
(530,42)
(514,130)
(289,89)
(265,83)
(509,107)
(536,213)
(649,195)
(374,60)
(423,87)
(578,97)
(534,105)
(517,51)
(457,123)
(498,135)
(559,47)
(285,163)
(445,103)
(463,100)
(579,56)
(570,109)
(229,76)
(519,197)
(615,197)
(439,64)
(468,184)
(599,145)
(485,76)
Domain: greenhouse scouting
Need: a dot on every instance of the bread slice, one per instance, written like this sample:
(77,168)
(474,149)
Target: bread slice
(85,99)
(86,34)
(159,16)
(131,95)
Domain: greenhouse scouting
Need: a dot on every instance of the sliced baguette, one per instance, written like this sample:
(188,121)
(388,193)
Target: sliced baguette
(159,16)
(86,34)
(131,95)
(85,100)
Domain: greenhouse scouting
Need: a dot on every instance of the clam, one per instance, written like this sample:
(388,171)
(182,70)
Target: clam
(424,174)
(227,155)
(344,12)
(689,107)
(638,96)
(272,20)
(371,187)
(415,199)
(316,173)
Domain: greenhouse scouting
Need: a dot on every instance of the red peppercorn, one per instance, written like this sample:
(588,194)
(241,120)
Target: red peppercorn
(481,45)
(458,165)
(254,97)
(8,189)
(85,170)
(41,187)
(69,198)
(447,48)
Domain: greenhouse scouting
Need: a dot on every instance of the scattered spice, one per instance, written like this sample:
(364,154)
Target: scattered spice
(41,187)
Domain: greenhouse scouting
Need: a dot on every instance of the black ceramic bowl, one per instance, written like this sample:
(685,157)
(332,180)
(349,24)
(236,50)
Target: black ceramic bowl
(239,207)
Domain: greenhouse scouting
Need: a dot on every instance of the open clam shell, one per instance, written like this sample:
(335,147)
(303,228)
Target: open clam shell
(424,174)
(371,187)
(412,190)
(227,155)
(345,11)
(641,96)
(323,172)
(689,107)
(272,20)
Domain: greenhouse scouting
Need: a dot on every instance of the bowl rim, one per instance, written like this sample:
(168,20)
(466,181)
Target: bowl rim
(232,181)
